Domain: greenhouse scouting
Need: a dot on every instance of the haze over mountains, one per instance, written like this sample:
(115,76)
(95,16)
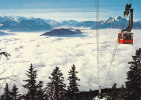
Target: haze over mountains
(19,23)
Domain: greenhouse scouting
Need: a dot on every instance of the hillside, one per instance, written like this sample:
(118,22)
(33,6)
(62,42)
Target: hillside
(62,32)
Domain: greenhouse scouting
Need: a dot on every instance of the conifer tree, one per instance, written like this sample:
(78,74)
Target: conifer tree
(114,92)
(122,93)
(31,85)
(49,91)
(15,93)
(73,85)
(56,87)
(40,91)
(7,94)
(133,83)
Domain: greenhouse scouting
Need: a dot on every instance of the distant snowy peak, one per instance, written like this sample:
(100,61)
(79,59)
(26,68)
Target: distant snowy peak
(12,18)
(120,19)
(19,23)
(63,23)
(110,19)
(117,22)
(116,19)
(20,18)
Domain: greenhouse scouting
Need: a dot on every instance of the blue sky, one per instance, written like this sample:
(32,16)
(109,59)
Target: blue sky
(67,9)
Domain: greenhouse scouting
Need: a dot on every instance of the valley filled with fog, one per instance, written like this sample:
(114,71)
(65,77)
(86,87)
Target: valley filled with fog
(45,53)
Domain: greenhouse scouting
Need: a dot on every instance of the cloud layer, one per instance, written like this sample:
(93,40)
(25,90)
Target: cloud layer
(48,52)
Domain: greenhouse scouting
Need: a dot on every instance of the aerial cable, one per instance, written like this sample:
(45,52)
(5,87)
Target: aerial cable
(112,60)
(97,40)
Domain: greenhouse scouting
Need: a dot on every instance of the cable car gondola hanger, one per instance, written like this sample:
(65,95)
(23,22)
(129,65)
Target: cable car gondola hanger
(126,36)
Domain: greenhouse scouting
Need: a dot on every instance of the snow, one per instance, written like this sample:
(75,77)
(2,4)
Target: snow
(48,52)
(108,20)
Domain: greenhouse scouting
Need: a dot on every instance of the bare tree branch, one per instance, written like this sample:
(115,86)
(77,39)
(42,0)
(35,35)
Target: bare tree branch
(7,55)
(8,78)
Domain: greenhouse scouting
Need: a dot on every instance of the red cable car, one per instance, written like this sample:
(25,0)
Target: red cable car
(125,36)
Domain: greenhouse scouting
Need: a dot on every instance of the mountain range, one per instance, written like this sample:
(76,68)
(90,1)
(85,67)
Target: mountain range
(20,23)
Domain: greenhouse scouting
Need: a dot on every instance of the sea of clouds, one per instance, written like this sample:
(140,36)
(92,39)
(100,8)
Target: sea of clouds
(45,53)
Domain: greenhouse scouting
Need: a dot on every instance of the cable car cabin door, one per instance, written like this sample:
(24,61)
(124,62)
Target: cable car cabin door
(125,38)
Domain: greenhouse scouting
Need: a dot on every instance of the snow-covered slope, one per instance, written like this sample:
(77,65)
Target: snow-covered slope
(23,24)
(117,22)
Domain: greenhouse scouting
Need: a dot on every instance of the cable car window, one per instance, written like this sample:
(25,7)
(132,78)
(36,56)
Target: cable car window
(127,36)
(132,36)
(120,36)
